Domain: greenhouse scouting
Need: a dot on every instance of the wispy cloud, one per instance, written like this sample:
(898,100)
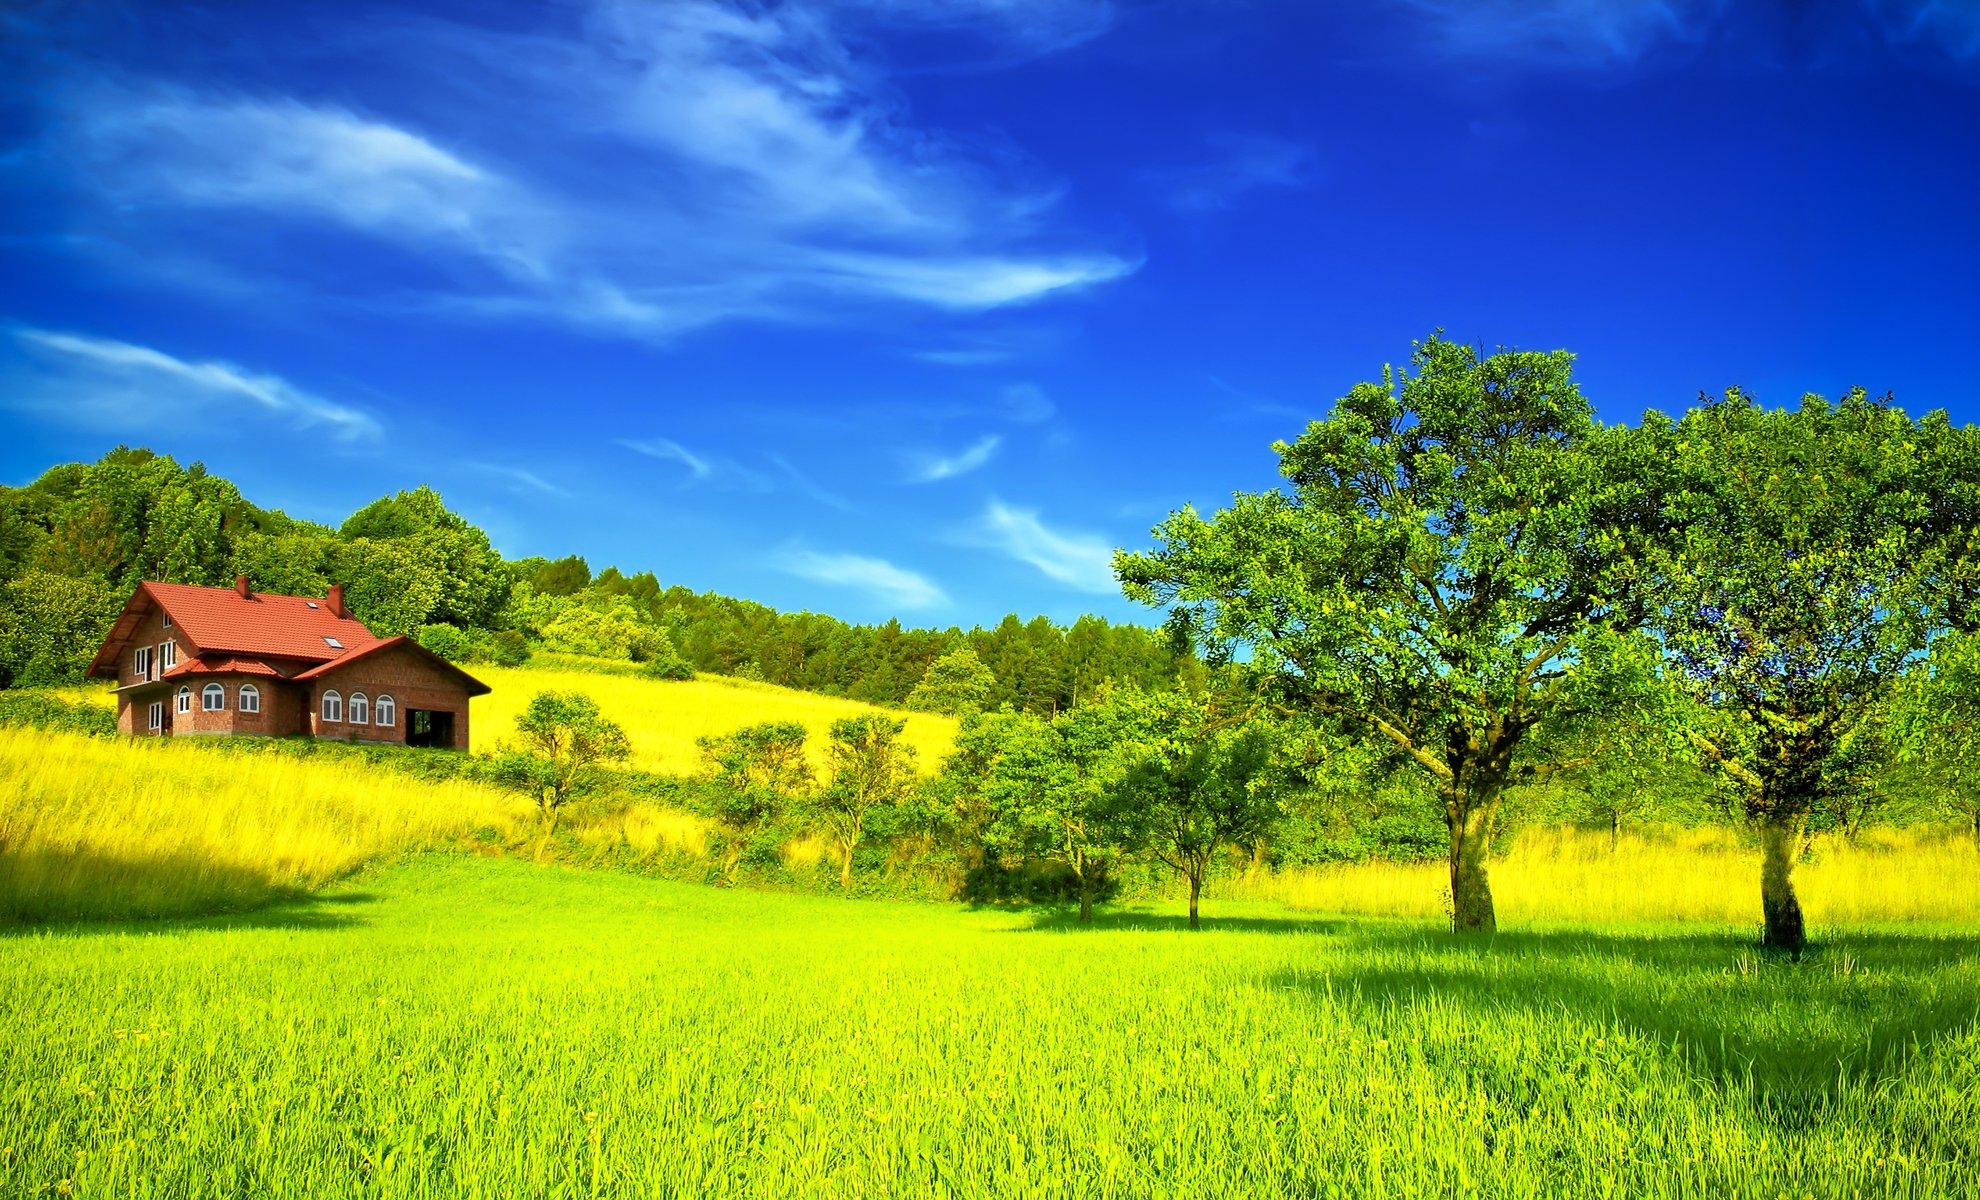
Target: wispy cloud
(804,485)
(1080,560)
(1563,34)
(1952,25)
(110,384)
(932,468)
(671,451)
(521,480)
(1238,163)
(877,577)
(723,163)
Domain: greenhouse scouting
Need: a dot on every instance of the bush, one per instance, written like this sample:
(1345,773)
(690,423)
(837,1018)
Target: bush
(672,667)
(45,710)
(508,648)
(448,642)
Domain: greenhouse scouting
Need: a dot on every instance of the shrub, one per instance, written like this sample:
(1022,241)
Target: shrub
(24,709)
(448,642)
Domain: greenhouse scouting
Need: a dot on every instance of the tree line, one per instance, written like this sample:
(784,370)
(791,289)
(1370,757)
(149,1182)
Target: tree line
(77,541)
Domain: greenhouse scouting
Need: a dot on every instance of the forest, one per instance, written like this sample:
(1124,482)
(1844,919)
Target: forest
(77,541)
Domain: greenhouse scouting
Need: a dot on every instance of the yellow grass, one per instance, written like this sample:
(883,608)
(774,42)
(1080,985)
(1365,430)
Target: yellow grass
(1553,875)
(115,827)
(663,718)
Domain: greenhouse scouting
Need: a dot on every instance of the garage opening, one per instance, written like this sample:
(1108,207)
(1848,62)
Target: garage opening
(425,727)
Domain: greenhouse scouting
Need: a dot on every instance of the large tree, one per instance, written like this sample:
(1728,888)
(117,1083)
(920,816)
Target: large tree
(1452,567)
(1820,553)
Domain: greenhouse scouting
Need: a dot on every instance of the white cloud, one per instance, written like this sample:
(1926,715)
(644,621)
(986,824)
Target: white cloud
(672,451)
(1081,560)
(1239,163)
(935,467)
(877,577)
(112,385)
(668,167)
(520,479)
(1570,34)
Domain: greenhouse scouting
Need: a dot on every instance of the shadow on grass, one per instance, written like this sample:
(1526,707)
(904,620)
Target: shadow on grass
(82,893)
(1065,919)
(1788,1035)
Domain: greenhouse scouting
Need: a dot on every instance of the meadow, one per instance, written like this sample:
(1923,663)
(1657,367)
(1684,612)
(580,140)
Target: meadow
(449,1025)
(367,984)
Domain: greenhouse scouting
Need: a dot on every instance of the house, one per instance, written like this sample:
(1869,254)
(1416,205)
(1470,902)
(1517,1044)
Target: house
(215,660)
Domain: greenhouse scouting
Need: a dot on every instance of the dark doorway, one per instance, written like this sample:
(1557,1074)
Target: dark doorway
(427,728)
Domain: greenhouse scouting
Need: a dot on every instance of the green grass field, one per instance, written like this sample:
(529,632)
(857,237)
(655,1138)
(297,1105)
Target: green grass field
(454,1026)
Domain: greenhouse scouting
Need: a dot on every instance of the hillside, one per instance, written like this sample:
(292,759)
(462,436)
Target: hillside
(663,718)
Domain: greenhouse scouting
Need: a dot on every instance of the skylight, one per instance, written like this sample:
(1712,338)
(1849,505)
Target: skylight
(331,642)
(311,603)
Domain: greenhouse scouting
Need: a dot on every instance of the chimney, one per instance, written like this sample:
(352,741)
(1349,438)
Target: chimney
(240,585)
(337,600)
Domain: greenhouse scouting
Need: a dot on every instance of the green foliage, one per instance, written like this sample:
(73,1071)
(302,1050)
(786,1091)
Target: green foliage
(508,648)
(872,776)
(612,630)
(564,740)
(760,770)
(1199,780)
(1817,553)
(454,645)
(954,684)
(1452,569)
(51,625)
(30,709)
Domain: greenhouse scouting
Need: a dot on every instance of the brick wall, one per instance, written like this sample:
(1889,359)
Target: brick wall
(280,715)
(401,673)
(151,632)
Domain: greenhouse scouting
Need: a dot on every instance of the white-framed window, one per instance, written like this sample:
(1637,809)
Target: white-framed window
(250,698)
(360,709)
(168,655)
(333,707)
(213,698)
(185,699)
(157,715)
(385,712)
(141,662)
(166,618)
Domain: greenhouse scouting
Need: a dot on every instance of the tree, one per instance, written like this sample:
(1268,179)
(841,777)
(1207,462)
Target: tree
(51,626)
(759,768)
(1198,784)
(565,739)
(1823,551)
(1937,715)
(1450,572)
(872,775)
(1053,788)
(955,683)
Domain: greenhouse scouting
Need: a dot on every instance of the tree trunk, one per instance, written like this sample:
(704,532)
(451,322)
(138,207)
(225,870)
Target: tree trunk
(1615,831)
(1195,891)
(1779,841)
(1976,830)
(846,866)
(1085,900)
(1471,890)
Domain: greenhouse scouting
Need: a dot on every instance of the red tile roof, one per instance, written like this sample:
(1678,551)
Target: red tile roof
(224,664)
(474,686)
(219,620)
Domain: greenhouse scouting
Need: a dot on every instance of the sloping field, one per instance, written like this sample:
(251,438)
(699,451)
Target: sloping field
(663,718)
(471,1027)
(116,827)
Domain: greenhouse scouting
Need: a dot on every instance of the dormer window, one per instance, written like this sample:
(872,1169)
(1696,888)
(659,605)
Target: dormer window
(333,643)
(167,618)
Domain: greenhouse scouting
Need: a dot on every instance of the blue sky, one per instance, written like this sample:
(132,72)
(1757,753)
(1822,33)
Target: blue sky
(892,307)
